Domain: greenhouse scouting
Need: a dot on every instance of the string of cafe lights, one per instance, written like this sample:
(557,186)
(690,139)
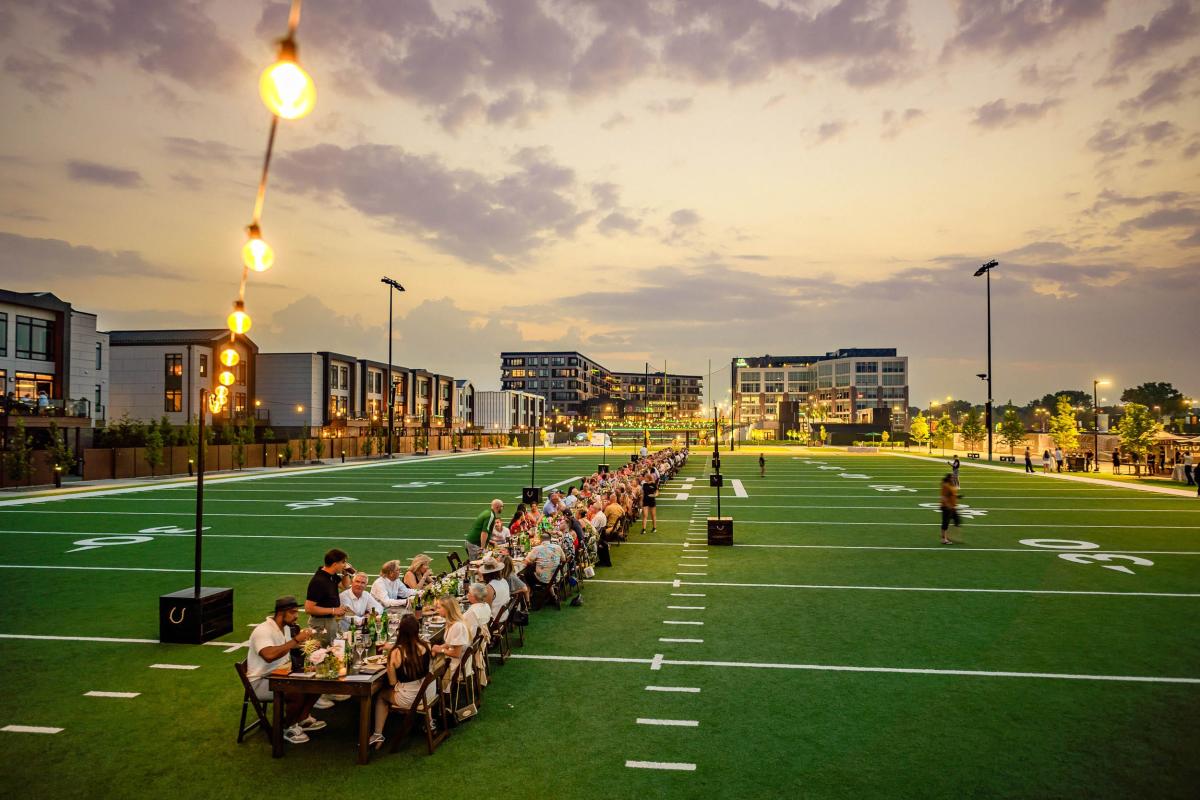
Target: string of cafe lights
(289,93)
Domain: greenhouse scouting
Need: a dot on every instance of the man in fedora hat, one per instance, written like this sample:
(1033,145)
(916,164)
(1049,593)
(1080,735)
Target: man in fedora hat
(270,644)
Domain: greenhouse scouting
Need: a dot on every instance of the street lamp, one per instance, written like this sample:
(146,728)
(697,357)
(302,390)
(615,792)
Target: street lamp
(1096,383)
(986,271)
(391,389)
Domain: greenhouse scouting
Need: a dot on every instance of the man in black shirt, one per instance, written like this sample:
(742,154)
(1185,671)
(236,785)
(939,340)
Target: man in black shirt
(323,603)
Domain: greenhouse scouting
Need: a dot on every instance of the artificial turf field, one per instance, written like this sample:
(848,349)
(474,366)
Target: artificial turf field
(841,651)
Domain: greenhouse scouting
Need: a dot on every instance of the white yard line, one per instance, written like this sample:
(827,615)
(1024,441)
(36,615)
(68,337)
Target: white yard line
(562,483)
(681,622)
(685,608)
(687,594)
(29,729)
(677,723)
(681,641)
(123,695)
(174,666)
(738,489)
(677,584)
(684,689)
(665,765)
(928,548)
(208,535)
(693,574)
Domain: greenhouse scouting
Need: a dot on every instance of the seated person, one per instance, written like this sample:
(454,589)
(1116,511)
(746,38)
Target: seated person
(541,562)
(497,588)
(516,586)
(418,575)
(458,636)
(501,535)
(388,589)
(482,611)
(359,602)
(270,645)
(407,667)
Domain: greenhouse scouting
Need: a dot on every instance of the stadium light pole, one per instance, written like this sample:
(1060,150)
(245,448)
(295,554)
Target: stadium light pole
(986,271)
(392,285)
(1096,384)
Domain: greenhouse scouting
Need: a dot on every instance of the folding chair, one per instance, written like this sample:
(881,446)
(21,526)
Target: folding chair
(498,628)
(518,602)
(421,707)
(455,561)
(464,688)
(250,699)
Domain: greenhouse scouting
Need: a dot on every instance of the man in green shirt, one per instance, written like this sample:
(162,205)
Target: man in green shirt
(481,529)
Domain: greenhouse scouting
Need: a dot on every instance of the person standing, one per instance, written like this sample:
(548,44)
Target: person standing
(949,506)
(643,452)
(1045,461)
(762,466)
(1058,458)
(1028,461)
(649,502)
(1088,456)
(1116,459)
(1188,471)
(954,467)
(323,603)
(481,529)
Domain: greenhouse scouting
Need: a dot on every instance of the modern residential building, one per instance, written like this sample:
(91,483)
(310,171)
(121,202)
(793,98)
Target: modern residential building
(50,349)
(160,373)
(464,414)
(668,394)
(848,385)
(571,383)
(508,410)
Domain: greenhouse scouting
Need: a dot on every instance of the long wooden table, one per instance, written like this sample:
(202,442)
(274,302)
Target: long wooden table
(364,690)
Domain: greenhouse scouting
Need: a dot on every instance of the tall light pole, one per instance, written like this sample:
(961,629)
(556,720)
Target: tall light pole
(1096,384)
(986,271)
(390,388)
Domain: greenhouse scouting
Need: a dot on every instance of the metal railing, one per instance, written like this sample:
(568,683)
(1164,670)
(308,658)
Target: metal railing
(43,406)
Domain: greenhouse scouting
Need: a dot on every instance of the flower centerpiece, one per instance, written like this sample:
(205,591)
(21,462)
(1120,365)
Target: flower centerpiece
(324,661)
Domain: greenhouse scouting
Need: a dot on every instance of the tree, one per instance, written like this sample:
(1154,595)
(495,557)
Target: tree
(943,431)
(367,445)
(1137,429)
(154,449)
(824,434)
(61,458)
(238,440)
(167,431)
(1011,429)
(287,453)
(1063,427)
(973,429)
(1076,397)
(918,429)
(1169,399)
(191,437)
(268,435)
(18,458)
(319,447)
(884,437)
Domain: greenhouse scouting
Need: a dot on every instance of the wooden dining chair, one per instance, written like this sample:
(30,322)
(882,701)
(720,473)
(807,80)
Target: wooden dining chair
(250,700)
(498,628)
(464,688)
(425,708)
(518,602)
(455,561)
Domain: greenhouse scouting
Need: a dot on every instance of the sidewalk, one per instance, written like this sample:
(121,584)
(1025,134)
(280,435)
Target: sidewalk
(130,485)
(1141,487)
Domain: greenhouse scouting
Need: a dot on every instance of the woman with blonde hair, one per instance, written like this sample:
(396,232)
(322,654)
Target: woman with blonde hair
(419,575)
(458,634)
(407,667)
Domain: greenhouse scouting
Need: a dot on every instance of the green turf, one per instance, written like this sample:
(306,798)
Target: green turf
(829,573)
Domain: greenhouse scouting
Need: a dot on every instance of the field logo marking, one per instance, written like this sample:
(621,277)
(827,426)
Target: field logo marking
(890,487)
(475,474)
(964,510)
(1061,544)
(416,484)
(1090,558)
(320,502)
(855,475)
(173,529)
(107,541)
(830,467)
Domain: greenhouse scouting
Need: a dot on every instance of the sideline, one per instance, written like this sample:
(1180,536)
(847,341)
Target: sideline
(1137,487)
(85,493)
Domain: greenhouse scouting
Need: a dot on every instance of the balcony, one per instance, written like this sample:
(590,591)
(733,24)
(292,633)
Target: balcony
(47,407)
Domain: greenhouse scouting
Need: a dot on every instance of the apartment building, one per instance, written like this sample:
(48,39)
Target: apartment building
(508,410)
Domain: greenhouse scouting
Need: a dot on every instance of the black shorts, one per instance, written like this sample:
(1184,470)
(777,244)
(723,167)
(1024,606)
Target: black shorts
(950,515)
(650,502)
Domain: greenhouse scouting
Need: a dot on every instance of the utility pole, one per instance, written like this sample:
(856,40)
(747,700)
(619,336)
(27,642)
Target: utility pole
(390,392)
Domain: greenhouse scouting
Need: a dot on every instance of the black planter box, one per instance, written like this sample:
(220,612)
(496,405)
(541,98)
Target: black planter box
(184,618)
(716,479)
(531,495)
(720,531)
(602,469)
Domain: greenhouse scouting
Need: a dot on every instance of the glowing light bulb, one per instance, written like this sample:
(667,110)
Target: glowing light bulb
(226,378)
(230,357)
(221,392)
(239,320)
(256,253)
(286,88)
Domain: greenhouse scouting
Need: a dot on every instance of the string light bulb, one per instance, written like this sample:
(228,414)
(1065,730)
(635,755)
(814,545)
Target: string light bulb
(222,392)
(226,378)
(230,357)
(287,90)
(239,320)
(256,253)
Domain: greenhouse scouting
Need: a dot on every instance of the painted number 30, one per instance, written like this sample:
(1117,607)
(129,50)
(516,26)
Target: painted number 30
(1088,558)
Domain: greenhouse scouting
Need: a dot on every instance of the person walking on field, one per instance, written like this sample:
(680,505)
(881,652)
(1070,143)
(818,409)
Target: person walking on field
(1045,461)
(949,508)
(1028,461)
(1058,457)
(762,466)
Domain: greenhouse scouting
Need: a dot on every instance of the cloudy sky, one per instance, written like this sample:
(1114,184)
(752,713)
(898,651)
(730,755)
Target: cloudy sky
(637,179)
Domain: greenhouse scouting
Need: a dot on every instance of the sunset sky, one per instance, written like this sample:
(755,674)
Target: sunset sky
(636,180)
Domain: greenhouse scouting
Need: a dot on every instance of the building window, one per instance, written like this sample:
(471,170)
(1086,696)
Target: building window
(3,334)
(344,373)
(35,339)
(173,366)
(98,402)
(172,400)
(203,365)
(99,355)
(239,403)
(241,373)
(866,367)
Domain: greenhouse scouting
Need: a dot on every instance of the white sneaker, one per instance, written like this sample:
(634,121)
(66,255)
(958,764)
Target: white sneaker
(295,735)
(323,702)
(337,698)
(311,724)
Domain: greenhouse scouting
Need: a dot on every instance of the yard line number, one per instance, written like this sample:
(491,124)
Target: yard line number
(1088,557)
(416,484)
(320,502)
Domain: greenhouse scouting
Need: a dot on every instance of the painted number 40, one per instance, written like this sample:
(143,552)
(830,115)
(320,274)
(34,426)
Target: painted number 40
(1088,558)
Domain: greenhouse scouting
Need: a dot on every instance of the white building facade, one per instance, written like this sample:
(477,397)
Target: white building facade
(508,410)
